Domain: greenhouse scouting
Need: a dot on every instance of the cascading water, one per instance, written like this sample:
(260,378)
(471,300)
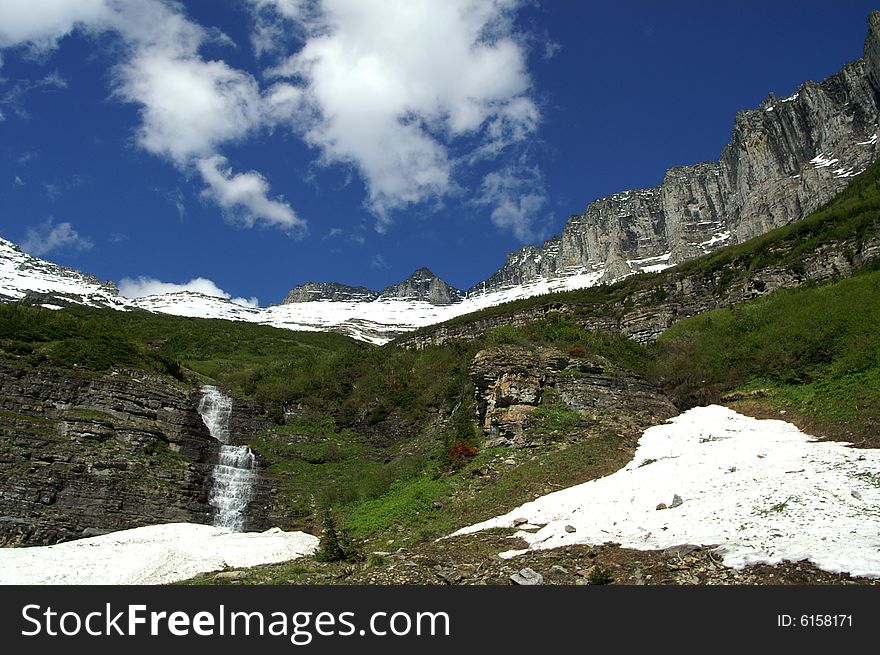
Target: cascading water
(236,470)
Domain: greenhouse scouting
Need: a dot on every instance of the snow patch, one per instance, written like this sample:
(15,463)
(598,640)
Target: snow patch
(721,237)
(870,142)
(823,161)
(156,554)
(759,490)
(650,264)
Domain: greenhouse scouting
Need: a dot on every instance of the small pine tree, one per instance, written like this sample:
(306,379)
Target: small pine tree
(334,546)
(329,549)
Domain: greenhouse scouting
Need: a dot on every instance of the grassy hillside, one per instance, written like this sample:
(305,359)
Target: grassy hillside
(813,351)
(385,437)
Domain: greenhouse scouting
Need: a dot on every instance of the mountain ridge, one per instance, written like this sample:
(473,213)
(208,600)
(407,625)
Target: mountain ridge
(785,159)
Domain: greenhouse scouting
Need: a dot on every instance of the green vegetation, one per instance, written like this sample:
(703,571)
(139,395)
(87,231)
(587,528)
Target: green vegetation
(382,442)
(814,350)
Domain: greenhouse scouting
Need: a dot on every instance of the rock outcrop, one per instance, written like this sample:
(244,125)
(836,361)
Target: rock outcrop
(334,291)
(510,383)
(648,307)
(423,285)
(81,455)
(784,160)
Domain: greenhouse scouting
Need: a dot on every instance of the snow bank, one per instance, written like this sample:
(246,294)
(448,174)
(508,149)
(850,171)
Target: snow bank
(156,554)
(761,490)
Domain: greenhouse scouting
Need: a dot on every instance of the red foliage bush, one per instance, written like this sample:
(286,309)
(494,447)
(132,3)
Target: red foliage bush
(461,450)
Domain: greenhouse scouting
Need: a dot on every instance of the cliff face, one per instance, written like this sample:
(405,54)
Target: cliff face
(329,291)
(648,308)
(511,383)
(784,160)
(80,456)
(425,286)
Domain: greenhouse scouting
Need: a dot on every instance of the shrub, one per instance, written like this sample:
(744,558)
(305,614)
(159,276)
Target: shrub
(334,545)
(599,575)
(461,451)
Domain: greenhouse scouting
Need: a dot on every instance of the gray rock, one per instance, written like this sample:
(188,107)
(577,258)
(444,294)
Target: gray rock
(424,285)
(311,291)
(86,455)
(676,500)
(232,575)
(450,576)
(527,577)
(785,159)
(570,528)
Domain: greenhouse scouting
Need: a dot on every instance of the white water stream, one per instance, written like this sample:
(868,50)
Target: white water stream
(236,470)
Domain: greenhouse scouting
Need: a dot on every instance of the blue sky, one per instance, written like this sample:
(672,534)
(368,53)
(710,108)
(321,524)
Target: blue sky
(260,144)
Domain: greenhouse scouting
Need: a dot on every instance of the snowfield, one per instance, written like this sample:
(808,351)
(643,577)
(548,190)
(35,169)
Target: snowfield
(760,490)
(156,554)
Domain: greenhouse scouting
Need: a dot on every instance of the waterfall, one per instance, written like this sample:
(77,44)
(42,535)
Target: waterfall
(236,470)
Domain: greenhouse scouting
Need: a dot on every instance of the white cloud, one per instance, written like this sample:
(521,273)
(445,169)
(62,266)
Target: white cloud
(190,107)
(244,196)
(378,262)
(393,85)
(274,22)
(48,237)
(13,98)
(407,93)
(517,196)
(147,286)
(41,23)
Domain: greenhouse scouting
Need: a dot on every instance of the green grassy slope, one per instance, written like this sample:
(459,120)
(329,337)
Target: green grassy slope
(814,351)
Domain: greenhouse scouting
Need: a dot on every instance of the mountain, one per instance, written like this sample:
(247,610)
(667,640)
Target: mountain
(329,291)
(39,282)
(421,286)
(784,160)
(424,286)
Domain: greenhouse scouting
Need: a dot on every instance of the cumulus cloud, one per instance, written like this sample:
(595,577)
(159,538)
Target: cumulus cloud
(49,237)
(147,286)
(392,87)
(40,24)
(517,198)
(189,107)
(244,196)
(410,94)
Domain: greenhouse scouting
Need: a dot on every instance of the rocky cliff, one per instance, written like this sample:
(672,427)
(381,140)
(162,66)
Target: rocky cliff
(81,455)
(511,383)
(642,308)
(423,285)
(784,160)
(329,291)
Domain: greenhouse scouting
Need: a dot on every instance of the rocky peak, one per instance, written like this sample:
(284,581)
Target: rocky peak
(785,159)
(335,291)
(424,285)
